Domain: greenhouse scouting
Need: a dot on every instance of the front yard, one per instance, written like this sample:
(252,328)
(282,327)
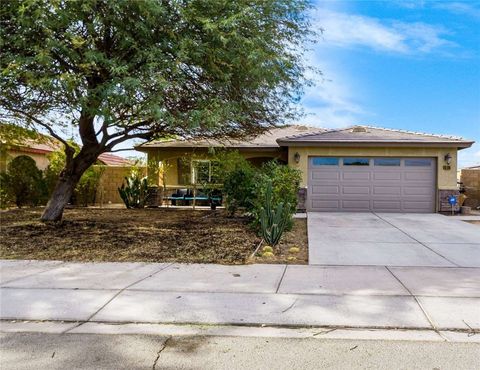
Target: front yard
(150,235)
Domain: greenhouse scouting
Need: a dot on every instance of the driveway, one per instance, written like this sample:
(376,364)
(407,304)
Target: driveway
(392,239)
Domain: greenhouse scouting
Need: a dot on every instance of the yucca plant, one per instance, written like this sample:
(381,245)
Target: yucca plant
(273,219)
(134,191)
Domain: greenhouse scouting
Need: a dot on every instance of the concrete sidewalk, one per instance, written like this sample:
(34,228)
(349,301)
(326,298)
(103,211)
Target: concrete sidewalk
(276,295)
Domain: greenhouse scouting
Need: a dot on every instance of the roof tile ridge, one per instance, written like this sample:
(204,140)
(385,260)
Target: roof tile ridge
(415,132)
(306,134)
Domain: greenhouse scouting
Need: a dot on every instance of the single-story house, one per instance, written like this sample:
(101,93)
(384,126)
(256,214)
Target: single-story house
(40,150)
(359,168)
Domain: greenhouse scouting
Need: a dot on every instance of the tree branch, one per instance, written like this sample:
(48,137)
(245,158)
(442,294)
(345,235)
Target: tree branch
(43,124)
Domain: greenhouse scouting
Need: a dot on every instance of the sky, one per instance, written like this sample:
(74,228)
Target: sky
(411,65)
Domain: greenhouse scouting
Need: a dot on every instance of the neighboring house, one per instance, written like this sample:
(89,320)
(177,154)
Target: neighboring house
(114,171)
(40,151)
(359,168)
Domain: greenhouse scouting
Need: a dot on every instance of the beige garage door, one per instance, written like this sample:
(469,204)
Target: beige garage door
(359,184)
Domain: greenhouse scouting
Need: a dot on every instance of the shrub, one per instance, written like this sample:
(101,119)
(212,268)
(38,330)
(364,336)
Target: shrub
(86,189)
(238,178)
(284,182)
(273,219)
(134,190)
(23,182)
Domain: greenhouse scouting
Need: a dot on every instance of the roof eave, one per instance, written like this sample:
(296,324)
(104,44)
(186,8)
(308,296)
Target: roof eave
(440,144)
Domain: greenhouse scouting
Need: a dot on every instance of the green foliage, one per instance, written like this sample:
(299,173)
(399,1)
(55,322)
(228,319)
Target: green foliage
(238,178)
(273,218)
(23,182)
(134,190)
(86,189)
(153,68)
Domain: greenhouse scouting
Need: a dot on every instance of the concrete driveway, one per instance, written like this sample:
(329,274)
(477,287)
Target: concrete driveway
(391,239)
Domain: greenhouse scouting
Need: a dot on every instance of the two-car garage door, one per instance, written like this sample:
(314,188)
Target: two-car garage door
(371,184)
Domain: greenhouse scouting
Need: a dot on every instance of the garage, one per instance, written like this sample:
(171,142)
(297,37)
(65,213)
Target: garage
(380,184)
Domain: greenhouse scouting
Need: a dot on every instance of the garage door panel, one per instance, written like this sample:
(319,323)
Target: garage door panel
(356,190)
(356,205)
(393,176)
(326,175)
(417,176)
(417,190)
(356,175)
(387,188)
(325,189)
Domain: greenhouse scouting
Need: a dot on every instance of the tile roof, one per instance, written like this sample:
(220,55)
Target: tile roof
(266,140)
(49,145)
(373,135)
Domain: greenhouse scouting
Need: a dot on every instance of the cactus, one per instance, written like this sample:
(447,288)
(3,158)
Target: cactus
(134,193)
(273,220)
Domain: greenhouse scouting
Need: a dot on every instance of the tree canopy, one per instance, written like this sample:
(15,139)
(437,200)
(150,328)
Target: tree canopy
(124,69)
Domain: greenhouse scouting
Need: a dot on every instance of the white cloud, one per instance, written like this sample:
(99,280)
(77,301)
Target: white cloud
(469,157)
(459,8)
(330,103)
(351,30)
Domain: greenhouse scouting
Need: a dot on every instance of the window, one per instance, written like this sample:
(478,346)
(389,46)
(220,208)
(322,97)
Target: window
(204,171)
(356,161)
(325,161)
(387,161)
(418,162)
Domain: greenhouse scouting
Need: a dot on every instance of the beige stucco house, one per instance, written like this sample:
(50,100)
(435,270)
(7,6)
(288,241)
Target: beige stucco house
(359,168)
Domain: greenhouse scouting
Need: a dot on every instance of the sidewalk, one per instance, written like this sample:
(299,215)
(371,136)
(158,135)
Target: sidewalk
(438,299)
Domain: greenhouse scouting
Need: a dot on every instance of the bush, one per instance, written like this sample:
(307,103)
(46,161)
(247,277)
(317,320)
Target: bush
(86,189)
(273,219)
(134,190)
(23,183)
(238,178)
(284,182)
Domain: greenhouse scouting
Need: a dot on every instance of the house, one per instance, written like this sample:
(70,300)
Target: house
(114,168)
(359,168)
(40,150)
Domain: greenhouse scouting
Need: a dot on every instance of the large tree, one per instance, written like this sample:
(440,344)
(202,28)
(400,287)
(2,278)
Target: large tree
(117,70)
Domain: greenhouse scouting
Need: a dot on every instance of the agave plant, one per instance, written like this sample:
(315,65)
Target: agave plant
(134,191)
(273,220)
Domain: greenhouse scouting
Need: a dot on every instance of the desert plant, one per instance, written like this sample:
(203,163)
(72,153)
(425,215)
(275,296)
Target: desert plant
(86,190)
(273,219)
(134,190)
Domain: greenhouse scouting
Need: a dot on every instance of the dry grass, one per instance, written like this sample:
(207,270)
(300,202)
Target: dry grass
(150,235)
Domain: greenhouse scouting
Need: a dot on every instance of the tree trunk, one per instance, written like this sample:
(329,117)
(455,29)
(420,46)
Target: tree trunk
(66,184)
(61,195)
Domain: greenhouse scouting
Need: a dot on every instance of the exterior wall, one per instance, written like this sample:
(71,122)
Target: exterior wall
(471,180)
(40,159)
(112,178)
(446,178)
(171,156)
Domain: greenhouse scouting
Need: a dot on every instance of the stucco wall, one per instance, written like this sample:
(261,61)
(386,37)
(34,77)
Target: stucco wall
(446,179)
(41,160)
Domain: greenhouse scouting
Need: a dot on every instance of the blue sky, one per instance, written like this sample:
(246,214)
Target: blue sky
(412,65)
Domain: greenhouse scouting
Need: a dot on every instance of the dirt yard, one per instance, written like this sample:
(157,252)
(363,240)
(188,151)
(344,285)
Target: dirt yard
(150,235)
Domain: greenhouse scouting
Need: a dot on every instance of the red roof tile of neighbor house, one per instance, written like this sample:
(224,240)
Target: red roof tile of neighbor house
(51,145)
(368,135)
(114,160)
(266,140)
